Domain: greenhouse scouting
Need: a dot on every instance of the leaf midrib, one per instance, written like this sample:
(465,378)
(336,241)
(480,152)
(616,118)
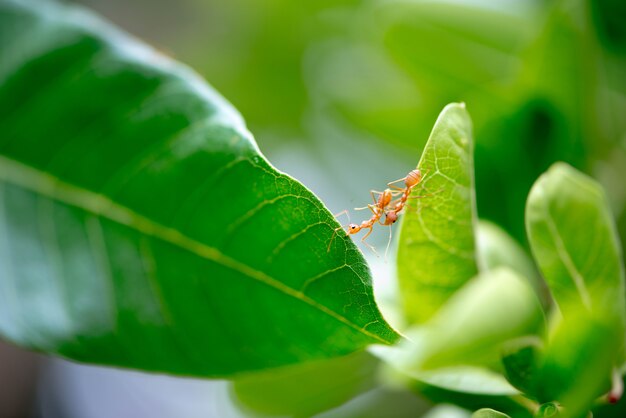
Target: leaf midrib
(30,178)
(563,254)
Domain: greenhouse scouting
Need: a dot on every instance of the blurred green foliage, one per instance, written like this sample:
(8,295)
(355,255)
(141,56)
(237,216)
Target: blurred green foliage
(544,80)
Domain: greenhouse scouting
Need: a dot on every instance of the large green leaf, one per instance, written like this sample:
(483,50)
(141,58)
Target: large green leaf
(141,227)
(574,240)
(436,249)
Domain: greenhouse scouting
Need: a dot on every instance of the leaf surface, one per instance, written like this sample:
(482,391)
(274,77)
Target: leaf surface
(574,240)
(436,249)
(471,328)
(466,386)
(577,365)
(141,227)
(496,249)
(488,413)
(304,390)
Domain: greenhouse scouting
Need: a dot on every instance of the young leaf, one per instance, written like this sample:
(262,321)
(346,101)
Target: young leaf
(576,366)
(304,390)
(488,413)
(379,402)
(466,386)
(520,358)
(436,249)
(574,240)
(498,249)
(447,411)
(141,227)
(471,328)
(548,410)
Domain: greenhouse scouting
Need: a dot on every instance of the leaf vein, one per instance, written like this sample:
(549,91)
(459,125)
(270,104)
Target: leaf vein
(576,276)
(32,179)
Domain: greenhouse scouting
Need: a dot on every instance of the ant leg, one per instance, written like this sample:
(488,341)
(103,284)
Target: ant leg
(370,207)
(380,219)
(396,181)
(391,184)
(395,192)
(343,212)
(333,238)
(368,233)
(370,246)
(441,189)
(394,187)
(373,193)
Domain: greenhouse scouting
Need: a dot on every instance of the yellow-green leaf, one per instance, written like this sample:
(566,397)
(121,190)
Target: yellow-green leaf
(436,249)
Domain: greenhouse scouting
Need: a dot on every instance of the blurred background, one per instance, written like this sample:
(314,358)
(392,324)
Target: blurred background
(342,96)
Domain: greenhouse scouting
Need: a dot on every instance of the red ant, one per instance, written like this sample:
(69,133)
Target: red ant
(378,209)
(410,181)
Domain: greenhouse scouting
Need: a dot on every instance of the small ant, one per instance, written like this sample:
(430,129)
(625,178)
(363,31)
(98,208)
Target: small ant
(410,181)
(378,209)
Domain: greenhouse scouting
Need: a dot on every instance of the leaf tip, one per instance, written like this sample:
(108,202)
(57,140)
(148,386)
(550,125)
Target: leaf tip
(454,105)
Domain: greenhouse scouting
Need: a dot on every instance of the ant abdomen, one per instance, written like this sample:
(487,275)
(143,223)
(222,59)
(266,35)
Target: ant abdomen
(414,177)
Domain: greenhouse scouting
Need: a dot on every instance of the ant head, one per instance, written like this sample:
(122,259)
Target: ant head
(390,218)
(353,228)
(414,177)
